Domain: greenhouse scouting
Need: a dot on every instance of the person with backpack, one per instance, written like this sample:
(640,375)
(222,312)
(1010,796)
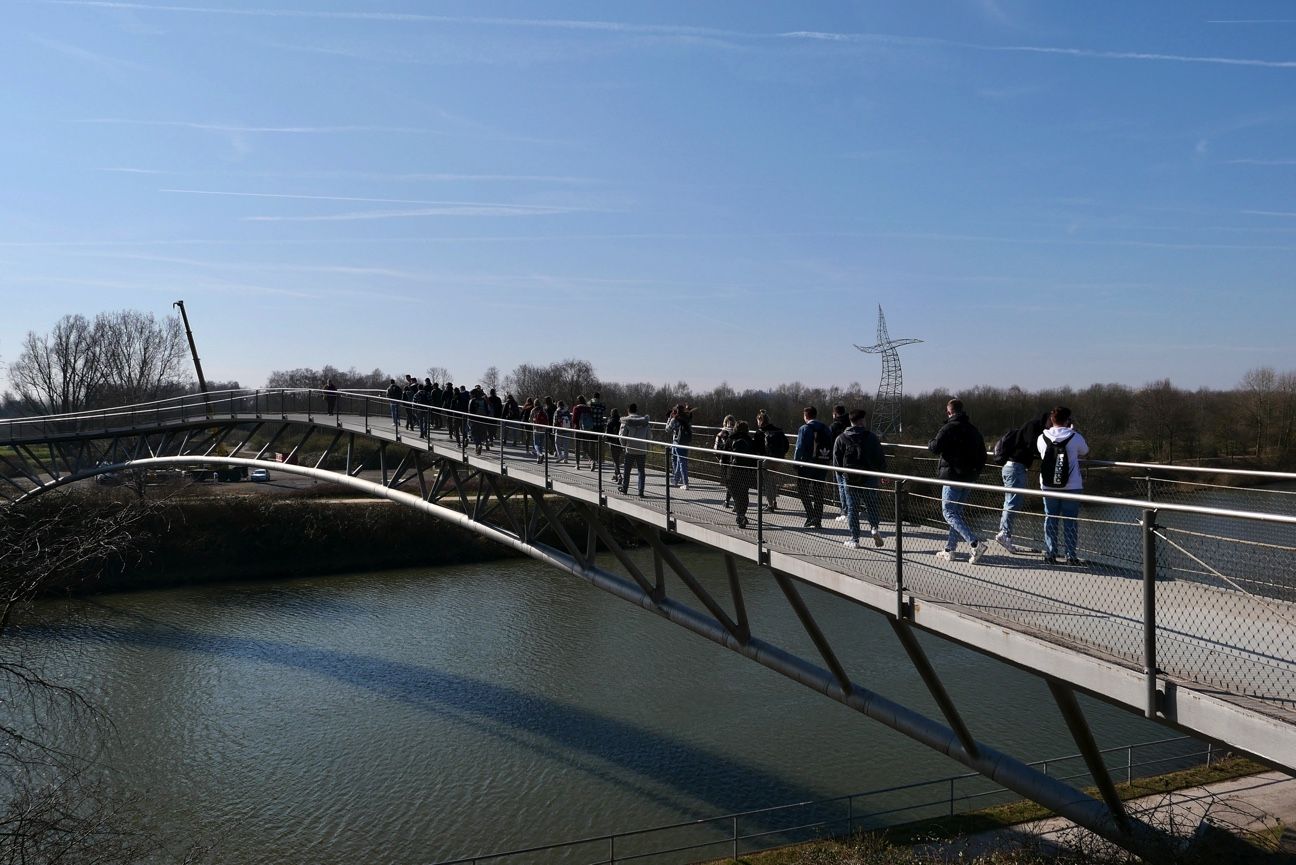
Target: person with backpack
(562,421)
(962,452)
(742,470)
(1015,451)
(394,394)
(479,426)
(1060,448)
(721,446)
(776,445)
(838,425)
(636,431)
(539,428)
(680,429)
(814,449)
(613,429)
(858,448)
(599,423)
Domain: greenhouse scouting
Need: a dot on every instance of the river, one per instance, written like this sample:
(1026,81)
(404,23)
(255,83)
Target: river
(409,716)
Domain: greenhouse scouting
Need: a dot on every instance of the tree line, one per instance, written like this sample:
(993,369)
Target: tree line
(1156,422)
(123,357)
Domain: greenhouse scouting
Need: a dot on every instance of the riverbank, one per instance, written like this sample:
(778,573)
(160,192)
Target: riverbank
(1247,809)
(185,541)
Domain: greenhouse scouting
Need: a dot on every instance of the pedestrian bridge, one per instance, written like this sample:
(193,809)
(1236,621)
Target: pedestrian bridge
(1184,609)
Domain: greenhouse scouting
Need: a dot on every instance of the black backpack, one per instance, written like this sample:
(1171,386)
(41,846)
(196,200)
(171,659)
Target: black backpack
(1003,449)
(852,454)
(1055,467)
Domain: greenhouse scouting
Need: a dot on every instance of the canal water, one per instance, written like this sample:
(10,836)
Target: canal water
(417,715)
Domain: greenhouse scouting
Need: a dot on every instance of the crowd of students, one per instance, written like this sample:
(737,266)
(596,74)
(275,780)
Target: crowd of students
(551,430)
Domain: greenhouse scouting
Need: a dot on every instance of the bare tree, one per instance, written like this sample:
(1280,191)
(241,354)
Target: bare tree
(142,358)
(60,371)
(51,809)
(439,374)
(491,377)
(1260,388)
(119,357)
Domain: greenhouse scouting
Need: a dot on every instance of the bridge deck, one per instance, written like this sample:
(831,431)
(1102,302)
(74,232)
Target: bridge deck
(1245,656)
(1228,637)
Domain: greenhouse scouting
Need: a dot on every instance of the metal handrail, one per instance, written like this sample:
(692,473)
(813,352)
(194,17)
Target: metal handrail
(951,801)
(789,466)
(206,402)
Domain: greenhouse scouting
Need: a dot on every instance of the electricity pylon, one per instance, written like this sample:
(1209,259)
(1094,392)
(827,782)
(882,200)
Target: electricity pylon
(886,407)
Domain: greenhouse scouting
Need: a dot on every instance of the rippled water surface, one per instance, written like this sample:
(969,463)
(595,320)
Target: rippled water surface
(416,715)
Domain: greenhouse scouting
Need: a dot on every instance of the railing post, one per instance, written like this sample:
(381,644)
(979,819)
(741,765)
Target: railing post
(735,838)
(611,850)
(951,798)
(850,816)
(901,498)
(1209,747)
(1149,611)
(669,457)
(600,467)
(1129,764)
(760,509)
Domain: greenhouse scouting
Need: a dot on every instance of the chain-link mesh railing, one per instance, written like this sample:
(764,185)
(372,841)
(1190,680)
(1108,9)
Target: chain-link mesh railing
(1223,569)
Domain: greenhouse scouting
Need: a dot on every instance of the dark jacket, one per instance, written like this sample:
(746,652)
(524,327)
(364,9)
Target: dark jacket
(866,443)
(813,439)
(1025,452)
(839,425)
(961,449)
(742,451)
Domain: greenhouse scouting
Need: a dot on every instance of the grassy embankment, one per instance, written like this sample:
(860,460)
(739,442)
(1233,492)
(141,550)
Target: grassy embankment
(927,842)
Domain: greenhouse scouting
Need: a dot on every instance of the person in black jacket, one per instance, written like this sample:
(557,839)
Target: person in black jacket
(962,456)
(1014,476)
(838,425)
(859,448)
(741,470)
(776,445)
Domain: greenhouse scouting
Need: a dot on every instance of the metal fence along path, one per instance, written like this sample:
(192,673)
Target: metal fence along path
(1180,605)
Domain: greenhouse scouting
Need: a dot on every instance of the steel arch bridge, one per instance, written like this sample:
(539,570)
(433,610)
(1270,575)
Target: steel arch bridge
(1190,668)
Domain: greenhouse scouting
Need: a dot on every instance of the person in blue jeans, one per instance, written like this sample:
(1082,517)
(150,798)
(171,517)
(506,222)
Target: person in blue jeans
(962,456)
(680,429)
(858,448)
(1014,477)
(1062,434)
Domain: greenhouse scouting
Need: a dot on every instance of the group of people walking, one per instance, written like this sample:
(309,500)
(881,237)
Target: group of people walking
(552,430)
(1053,439)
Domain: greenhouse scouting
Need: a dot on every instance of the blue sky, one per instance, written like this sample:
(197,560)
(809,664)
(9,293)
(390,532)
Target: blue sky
(1046,193)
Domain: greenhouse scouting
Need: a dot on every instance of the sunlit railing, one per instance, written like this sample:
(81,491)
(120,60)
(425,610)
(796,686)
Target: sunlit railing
(1200,586)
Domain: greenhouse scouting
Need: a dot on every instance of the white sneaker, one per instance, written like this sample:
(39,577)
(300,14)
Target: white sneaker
(977,552)
(945,555)
(877,538)
(840,519)
(852,543)
(1004,540)
(683,486)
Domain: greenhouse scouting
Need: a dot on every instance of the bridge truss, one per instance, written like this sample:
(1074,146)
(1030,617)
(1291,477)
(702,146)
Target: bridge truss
(572,521)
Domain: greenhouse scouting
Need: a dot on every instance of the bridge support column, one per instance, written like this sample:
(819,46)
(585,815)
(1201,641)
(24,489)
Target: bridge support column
(1067,703)
(937,688)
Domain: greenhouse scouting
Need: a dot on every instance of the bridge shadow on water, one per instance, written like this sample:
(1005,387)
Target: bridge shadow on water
(688,780)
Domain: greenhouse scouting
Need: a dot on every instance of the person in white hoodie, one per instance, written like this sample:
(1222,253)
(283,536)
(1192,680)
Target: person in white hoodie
(635,433)
(1061,433)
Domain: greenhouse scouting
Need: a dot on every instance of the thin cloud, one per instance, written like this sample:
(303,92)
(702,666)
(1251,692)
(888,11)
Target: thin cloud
(424,212)
(1260,162)
(1282,213)
(393,177)
(276,130)
(85,55)
(1088,53)
(355,199)
(619,27)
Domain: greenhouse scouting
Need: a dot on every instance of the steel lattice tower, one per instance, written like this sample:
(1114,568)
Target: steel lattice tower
(886,407)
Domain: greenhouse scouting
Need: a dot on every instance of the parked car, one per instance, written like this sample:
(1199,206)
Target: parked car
(259,476)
